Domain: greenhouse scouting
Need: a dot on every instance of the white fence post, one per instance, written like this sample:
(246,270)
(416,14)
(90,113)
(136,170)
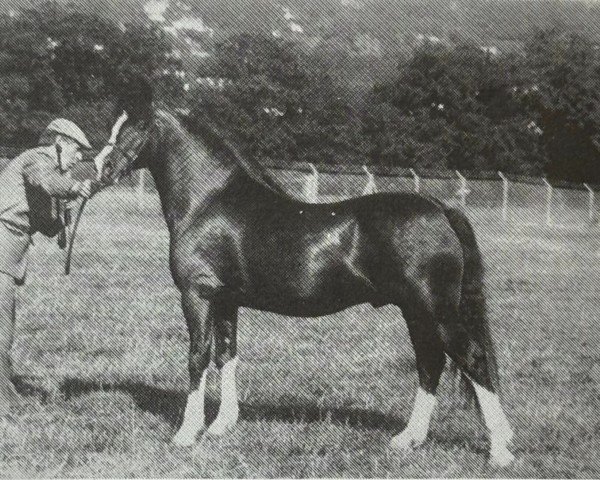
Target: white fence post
(591,202)
(548,202)
(463,191)
(416,179)
(371,186)
(311,188)
(141,187)
(504,196)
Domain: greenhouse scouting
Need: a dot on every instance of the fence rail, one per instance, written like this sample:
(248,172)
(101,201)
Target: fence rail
(495,195)
(505,197)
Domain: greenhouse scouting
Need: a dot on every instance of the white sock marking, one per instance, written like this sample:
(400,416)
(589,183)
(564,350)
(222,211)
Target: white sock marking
(416,430)
(497,423)
(193,418)
(229,409)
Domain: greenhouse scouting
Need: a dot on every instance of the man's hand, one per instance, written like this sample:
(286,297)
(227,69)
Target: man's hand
(83,189)
(87,188)
(100,159)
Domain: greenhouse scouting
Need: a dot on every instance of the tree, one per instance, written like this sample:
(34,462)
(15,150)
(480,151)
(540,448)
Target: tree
(277,104)
(456,110)
(562,93)
(58,61)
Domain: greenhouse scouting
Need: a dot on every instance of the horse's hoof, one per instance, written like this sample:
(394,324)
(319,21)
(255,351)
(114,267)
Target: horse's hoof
(406,441)
(219,427)
(184,439)
(501,458)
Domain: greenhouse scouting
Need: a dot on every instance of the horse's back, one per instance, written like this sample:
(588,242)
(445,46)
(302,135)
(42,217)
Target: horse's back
(338,253)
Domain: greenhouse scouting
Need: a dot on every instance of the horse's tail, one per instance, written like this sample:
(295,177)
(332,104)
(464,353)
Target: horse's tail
(472,308)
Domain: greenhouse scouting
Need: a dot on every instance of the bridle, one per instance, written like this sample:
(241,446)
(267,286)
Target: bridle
(131,154)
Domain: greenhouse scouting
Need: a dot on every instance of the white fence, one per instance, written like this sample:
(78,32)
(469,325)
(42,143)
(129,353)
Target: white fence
(497,197)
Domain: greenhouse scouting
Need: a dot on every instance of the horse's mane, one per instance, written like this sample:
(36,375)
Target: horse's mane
(212,135)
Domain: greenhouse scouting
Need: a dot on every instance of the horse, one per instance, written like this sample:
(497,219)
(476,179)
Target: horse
(238,239)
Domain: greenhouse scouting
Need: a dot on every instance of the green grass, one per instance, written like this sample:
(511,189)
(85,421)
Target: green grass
(101,358)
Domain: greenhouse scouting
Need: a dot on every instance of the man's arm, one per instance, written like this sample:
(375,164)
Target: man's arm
(41,175)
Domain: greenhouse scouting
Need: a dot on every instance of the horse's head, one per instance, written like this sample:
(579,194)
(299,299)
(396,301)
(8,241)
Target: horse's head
(131,134)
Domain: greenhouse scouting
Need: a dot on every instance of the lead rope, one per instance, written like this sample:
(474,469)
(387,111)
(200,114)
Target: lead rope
(99,186)
(96,188)
(73,236)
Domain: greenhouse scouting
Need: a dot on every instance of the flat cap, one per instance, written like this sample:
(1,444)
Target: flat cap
(69,129)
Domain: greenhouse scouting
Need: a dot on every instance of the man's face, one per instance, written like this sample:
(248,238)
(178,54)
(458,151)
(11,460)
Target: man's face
(71,152)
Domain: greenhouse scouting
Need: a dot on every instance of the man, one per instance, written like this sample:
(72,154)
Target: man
(29,185)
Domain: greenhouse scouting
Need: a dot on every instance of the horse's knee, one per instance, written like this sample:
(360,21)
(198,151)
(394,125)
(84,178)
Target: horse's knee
(205,286)
(208,286)
(190,272)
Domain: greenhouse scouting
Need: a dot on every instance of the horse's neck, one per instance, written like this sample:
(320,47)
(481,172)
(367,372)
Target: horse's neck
(187,175)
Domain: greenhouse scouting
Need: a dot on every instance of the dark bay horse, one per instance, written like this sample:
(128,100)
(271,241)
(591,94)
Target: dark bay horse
(238,240)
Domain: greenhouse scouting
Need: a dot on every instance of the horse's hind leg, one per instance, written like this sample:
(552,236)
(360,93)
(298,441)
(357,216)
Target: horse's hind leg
(225,328)
(430,364)
(500,432)
(469,350)
(200,331)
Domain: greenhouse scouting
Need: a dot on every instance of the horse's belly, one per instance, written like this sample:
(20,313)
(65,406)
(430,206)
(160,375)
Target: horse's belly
(305,285)
(289,303)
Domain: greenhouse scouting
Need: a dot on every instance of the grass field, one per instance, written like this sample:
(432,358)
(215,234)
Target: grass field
(101,358)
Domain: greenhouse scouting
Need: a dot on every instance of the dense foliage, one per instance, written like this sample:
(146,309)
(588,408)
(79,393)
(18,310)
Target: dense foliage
(58,60)
(447,105)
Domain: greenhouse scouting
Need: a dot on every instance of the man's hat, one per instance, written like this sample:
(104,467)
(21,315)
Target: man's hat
(69,129)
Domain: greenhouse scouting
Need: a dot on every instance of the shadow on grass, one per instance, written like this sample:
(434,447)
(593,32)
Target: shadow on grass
(169,405)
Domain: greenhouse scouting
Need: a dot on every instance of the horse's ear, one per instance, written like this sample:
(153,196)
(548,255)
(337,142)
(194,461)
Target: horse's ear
(134,96)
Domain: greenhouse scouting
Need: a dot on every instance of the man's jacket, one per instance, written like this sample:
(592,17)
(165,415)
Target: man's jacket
(27,185)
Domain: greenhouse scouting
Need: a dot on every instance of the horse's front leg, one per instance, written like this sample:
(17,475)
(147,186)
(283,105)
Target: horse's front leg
(201,332)
(225,328)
